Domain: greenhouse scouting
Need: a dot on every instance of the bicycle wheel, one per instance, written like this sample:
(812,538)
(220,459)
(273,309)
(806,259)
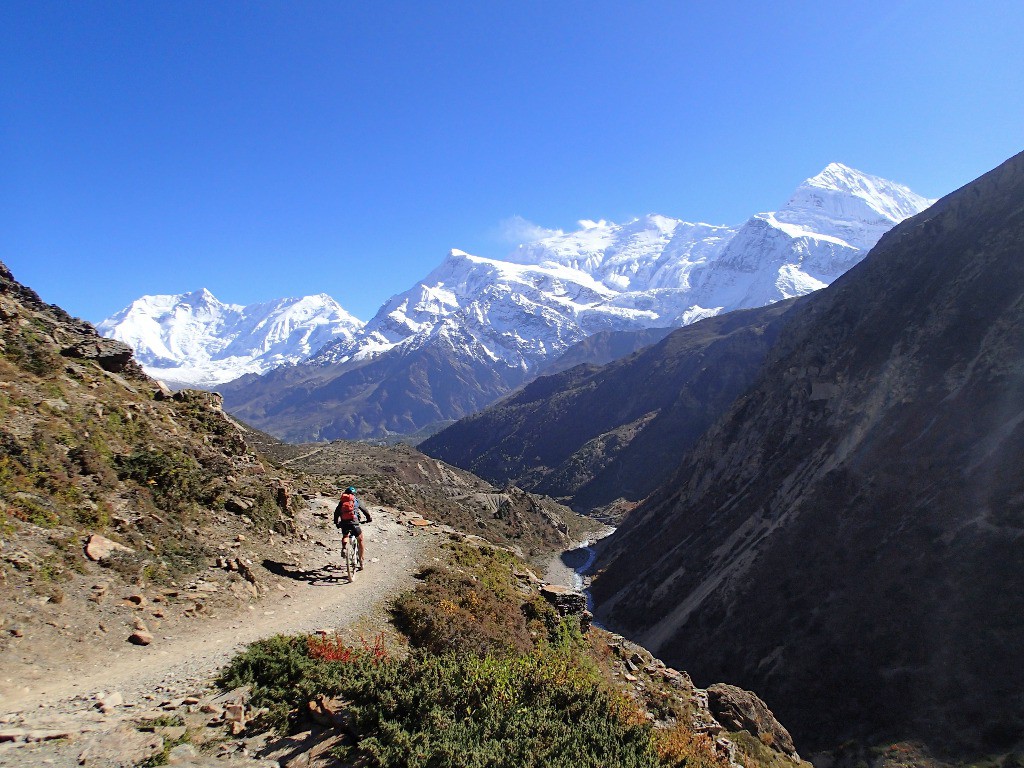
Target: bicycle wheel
(350,558)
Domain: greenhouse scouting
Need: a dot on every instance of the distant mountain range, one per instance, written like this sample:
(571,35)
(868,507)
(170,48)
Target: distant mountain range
(476,328)
(195,340)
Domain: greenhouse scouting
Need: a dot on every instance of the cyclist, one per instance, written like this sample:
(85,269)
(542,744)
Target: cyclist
(346,517)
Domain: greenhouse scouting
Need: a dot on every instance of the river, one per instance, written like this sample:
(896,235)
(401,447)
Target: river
(567,569)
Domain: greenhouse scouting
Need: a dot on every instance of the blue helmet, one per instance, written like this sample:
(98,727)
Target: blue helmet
(350,489)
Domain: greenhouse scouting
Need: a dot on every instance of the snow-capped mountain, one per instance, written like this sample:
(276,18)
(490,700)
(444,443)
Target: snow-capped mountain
(196,340)
(651,272)
(420,359)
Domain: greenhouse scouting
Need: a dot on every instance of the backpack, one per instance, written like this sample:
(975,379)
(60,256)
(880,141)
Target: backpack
(346,510)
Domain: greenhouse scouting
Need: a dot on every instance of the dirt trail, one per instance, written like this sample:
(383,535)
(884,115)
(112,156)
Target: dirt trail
(309,596)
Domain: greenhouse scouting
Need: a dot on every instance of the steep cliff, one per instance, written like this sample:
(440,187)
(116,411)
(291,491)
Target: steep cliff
(847,540)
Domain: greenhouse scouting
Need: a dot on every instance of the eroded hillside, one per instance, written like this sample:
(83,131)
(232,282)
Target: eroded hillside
(848,540)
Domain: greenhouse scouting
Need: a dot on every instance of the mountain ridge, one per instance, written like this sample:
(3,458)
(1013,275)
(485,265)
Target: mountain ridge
(197,340)
(642,412)
(847,537)
(490,325)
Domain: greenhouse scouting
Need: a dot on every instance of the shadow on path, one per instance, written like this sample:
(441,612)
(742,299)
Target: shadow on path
(327,574)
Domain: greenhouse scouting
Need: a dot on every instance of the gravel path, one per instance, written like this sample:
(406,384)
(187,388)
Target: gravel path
(312,595)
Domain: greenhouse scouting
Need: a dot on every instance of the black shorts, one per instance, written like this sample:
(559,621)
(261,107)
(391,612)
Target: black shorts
(351,528)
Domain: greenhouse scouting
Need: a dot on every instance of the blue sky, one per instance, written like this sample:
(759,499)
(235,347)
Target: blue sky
(285,148)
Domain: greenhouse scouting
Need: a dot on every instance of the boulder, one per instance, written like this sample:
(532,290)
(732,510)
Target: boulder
(111,355)
(140,637)
(238,504)
(566,601)
(740,710)
(100,548)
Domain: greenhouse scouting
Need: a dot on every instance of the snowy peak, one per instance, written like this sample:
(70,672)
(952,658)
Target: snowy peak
(482,324)
(195,339)
(855,206)
(651,271)
(894,201)
(648,252)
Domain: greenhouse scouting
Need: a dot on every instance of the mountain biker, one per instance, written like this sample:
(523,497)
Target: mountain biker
(346,517)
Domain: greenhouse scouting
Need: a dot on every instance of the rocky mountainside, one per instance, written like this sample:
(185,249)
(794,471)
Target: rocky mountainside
(112,486)
(403,478)
(604,347)
(476,328)
(195,340)
(142,540)
(594,436)
(108,482)
(848,539)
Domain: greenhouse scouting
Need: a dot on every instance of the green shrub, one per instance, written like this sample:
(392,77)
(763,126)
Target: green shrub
(457,710)
(547,708)
(173,477)
(473,606)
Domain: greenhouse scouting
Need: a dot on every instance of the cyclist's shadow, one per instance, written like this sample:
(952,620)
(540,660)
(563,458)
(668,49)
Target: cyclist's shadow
(324,575)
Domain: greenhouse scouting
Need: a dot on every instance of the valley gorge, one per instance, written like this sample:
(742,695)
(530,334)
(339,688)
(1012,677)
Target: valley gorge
(847,540)
(820,499)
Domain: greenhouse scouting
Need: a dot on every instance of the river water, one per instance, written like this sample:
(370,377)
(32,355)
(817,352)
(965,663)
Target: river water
(568,568)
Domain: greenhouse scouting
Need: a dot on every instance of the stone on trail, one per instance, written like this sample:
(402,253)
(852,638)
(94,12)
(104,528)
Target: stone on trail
(122,747)
(107,701)
(99,548)
(140,637)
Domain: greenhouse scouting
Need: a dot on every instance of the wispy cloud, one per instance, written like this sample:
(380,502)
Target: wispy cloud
(516,230)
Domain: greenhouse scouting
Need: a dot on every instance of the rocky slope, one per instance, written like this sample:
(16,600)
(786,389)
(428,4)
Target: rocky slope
(593,436)
(847,539)
(403,478)
(476,328)
(142,541)
(195,340)
(111,486)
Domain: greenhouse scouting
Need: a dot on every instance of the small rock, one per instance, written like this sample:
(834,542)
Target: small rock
(136,599)
(332,713)
(99,548)
(140,637)
(17,632)
(190,700)
(109,700)
(183,754)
